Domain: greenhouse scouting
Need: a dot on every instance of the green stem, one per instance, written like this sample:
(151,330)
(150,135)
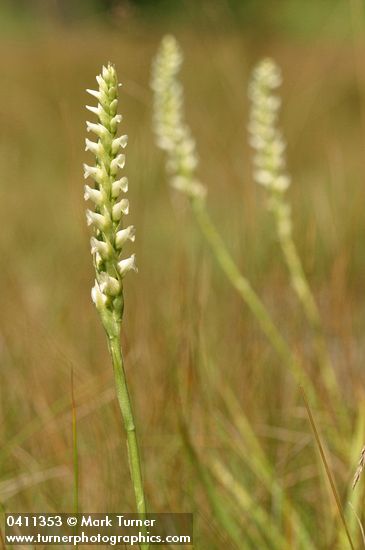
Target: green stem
(75,453)
(247,293)
(305,296)
(125,405)
(302,289)
(75,449)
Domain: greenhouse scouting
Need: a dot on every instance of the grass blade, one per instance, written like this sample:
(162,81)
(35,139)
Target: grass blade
(327,469)
(75,448)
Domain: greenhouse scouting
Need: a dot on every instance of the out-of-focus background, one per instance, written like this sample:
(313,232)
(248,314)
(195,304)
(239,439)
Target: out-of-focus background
(194,354)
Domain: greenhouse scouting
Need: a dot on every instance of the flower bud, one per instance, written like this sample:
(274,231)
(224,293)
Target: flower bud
(98,297)
(109,285)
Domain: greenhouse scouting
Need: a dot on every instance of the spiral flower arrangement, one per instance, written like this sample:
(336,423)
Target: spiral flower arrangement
(109,205)
(172,133)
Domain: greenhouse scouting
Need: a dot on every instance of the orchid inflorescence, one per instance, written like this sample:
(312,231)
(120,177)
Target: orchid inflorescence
(267,140)
(172,133)
(109,204)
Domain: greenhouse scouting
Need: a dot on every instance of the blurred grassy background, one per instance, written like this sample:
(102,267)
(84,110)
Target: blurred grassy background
(189,341)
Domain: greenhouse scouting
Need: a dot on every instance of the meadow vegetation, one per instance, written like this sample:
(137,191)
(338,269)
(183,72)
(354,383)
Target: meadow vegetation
(222,424)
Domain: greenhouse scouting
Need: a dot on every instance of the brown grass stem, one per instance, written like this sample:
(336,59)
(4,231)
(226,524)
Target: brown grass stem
(327,468)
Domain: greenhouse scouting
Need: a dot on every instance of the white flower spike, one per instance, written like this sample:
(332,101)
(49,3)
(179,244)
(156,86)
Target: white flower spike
(268,142)
(108,209)
(172,133)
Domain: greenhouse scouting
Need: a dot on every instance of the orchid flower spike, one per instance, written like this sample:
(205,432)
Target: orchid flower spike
(172,133)
(265,137)
(268,142)
(108,205)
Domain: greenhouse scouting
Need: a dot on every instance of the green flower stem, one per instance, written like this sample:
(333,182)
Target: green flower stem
(125,405)
(270,172)
(75,449)
(247,293)
(301,287)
